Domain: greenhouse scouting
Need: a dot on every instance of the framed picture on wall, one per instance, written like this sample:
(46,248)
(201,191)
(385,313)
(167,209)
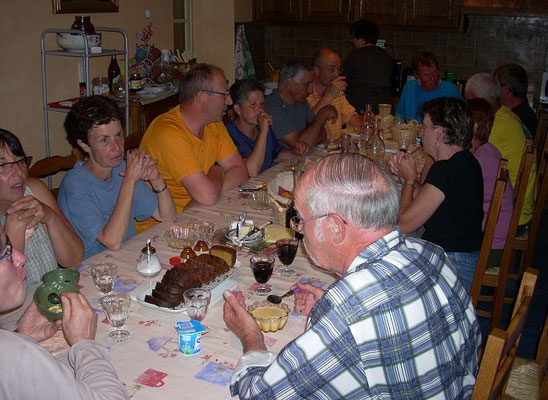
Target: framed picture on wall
(84,6)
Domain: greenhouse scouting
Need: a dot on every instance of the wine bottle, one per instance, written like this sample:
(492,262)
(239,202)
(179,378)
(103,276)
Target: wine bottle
(291,210)
(114,75)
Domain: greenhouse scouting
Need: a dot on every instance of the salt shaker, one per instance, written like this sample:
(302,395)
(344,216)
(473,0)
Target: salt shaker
(149,264)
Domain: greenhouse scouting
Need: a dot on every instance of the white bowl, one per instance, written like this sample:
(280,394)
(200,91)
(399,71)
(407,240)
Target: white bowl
(75,43)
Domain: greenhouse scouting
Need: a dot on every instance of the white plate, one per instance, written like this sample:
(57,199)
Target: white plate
(231,235)
(217,287)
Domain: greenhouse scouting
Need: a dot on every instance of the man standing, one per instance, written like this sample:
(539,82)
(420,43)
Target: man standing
(328,88)
(427,86)
(293,119)
(195,154)
(513,83)
(507,135)
(397,324)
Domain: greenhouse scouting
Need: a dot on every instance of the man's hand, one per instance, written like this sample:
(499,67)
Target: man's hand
(31,210)
(241,322)
(300,148)
(79,321)
(328,113)
(306,297)
(32,323)
(338,85)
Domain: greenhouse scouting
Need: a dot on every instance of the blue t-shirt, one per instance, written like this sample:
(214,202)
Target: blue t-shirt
(88,203)
(413,97)
(246,145)
(287,117)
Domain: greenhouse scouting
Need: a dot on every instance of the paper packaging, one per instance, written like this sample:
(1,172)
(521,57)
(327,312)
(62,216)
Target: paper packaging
(190,336)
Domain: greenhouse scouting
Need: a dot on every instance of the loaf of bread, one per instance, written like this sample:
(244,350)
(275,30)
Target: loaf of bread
(226,253)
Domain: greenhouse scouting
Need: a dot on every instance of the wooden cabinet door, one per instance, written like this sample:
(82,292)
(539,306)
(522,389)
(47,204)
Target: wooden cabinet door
(382,12)
(433,13)
(277,10)
(330,11)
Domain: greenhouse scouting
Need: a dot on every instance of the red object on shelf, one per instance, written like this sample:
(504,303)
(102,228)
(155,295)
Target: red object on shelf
(64,104)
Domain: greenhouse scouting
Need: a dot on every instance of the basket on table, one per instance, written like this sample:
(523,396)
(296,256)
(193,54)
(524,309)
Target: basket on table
(404,134)
(279,203)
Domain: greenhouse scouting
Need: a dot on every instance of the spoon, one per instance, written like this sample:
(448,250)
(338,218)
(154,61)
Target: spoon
(54,298)
(274,299)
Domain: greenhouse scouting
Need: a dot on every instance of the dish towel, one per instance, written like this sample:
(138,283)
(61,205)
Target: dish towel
(242,54)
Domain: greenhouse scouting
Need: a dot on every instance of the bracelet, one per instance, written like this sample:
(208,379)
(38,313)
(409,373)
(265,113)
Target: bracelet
(161,190)
(409,183)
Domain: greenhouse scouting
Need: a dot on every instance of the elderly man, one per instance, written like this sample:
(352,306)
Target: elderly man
(293,119)
(195,154)
(507,135)
(328,88)
(397,324)
(427,86)
(27,370)
(513,83)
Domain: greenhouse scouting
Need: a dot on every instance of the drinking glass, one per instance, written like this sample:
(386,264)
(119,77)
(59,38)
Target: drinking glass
(262,267)
(104,276)
(258,200)
(196,302)
(116,308)
(346,143)
(287,250)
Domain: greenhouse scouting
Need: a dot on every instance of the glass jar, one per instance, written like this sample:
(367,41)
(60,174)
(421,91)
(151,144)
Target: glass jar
(99,86)
(135,81)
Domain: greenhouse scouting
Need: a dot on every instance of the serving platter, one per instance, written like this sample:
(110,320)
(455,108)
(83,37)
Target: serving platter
(231,235)
(217,287)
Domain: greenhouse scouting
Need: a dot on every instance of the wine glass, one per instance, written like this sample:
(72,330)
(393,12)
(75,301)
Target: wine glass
(196,302)
(116,308)
(104,276)
(262,266)
(287,250)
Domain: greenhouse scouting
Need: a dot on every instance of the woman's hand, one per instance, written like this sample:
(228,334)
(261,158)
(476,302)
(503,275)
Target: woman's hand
(265,122)
(32,323)
(403,165)
(137,165)
(30,210)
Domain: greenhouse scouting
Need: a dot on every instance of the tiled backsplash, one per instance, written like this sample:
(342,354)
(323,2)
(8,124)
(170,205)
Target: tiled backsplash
(488,42)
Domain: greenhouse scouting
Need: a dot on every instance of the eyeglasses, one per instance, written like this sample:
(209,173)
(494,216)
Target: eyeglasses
(23,163)
(297,223)
(8,251)
(225,94)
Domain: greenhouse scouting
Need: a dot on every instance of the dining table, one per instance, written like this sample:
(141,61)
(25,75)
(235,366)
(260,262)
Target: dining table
(150,364)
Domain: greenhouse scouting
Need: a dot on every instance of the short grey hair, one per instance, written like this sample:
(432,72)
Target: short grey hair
(198,78)
(293,69)
(483,85)
(354,187)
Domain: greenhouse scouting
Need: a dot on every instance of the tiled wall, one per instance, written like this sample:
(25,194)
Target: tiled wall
(487,43)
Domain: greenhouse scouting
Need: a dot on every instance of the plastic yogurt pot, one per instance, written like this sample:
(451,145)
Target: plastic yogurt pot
(190,336)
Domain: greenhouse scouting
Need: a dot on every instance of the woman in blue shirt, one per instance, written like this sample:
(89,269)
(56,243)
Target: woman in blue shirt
(251,131)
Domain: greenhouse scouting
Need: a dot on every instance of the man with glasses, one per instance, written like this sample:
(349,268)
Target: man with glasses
(328,89)
(194,151)
(427,86)
(294,120)
(396,324)
(29,371)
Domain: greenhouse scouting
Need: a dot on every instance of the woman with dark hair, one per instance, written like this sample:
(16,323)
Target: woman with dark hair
(251,131)
(97,195)
(31,217)
(450,203)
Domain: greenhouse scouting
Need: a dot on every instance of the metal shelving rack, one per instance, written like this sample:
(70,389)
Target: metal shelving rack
(85,55)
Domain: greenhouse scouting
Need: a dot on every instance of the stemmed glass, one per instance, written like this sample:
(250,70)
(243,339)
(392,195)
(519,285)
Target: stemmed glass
(104,276)
(116,308)
(196,302)
(287,250)
(262,267)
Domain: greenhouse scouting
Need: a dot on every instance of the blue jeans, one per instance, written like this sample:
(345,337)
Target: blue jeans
(465,264)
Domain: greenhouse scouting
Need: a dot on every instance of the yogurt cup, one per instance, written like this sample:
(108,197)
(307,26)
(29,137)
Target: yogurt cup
(190,336)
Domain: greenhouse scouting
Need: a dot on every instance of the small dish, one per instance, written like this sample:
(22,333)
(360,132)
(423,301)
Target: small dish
(231,235)
(51,311)
(62,275)
(270,317)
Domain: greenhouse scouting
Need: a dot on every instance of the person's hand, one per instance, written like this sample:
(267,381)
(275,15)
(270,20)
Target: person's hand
(329,113)
(32,323)
(300,148)
(241,322)
(30,210)
(306,297)
(337,86)
(265,122)
(403,164)
(79,321)
(137,163)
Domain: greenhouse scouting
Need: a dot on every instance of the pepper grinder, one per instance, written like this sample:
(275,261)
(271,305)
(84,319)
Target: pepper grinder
(149,264)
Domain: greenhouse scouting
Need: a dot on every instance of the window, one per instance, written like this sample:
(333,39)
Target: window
(182,25)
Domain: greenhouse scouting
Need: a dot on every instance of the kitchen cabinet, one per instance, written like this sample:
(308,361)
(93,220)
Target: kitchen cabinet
(382,12)
(332,11)
(277,10)
(533,8)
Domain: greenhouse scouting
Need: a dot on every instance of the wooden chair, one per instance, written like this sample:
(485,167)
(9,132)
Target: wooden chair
(496,277)
(49,166)
(489,230)
(501,348)
(541,133)
(528,142)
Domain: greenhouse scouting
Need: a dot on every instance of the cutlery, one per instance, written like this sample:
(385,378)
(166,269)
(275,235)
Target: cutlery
(256,230)
(274,299)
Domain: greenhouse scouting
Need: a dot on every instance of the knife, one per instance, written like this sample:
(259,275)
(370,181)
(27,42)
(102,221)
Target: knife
(255,230)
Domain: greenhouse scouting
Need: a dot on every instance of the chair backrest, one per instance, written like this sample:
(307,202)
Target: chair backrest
(528,142)
(501,348)
(489,229)
(133,141)
(540,134)
(520,190)
(50,166)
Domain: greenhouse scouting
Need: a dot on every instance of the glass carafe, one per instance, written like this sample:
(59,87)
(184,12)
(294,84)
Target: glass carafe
(375,147)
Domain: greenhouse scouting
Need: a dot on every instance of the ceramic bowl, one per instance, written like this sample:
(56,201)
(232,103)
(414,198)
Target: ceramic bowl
(270,317)
(75,43)
(48,309)
(62,275)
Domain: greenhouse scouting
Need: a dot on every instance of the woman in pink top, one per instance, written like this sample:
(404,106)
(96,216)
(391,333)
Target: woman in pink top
(489,158)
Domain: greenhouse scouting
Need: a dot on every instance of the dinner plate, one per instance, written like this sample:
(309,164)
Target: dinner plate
(231,235)
(217,287)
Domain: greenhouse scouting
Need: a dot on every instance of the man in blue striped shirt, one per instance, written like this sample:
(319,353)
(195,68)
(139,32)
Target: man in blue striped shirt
(397,324)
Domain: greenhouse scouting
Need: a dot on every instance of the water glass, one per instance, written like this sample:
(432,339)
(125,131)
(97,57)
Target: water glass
(116,308)
(196,302)
(258,200)
(104,276)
